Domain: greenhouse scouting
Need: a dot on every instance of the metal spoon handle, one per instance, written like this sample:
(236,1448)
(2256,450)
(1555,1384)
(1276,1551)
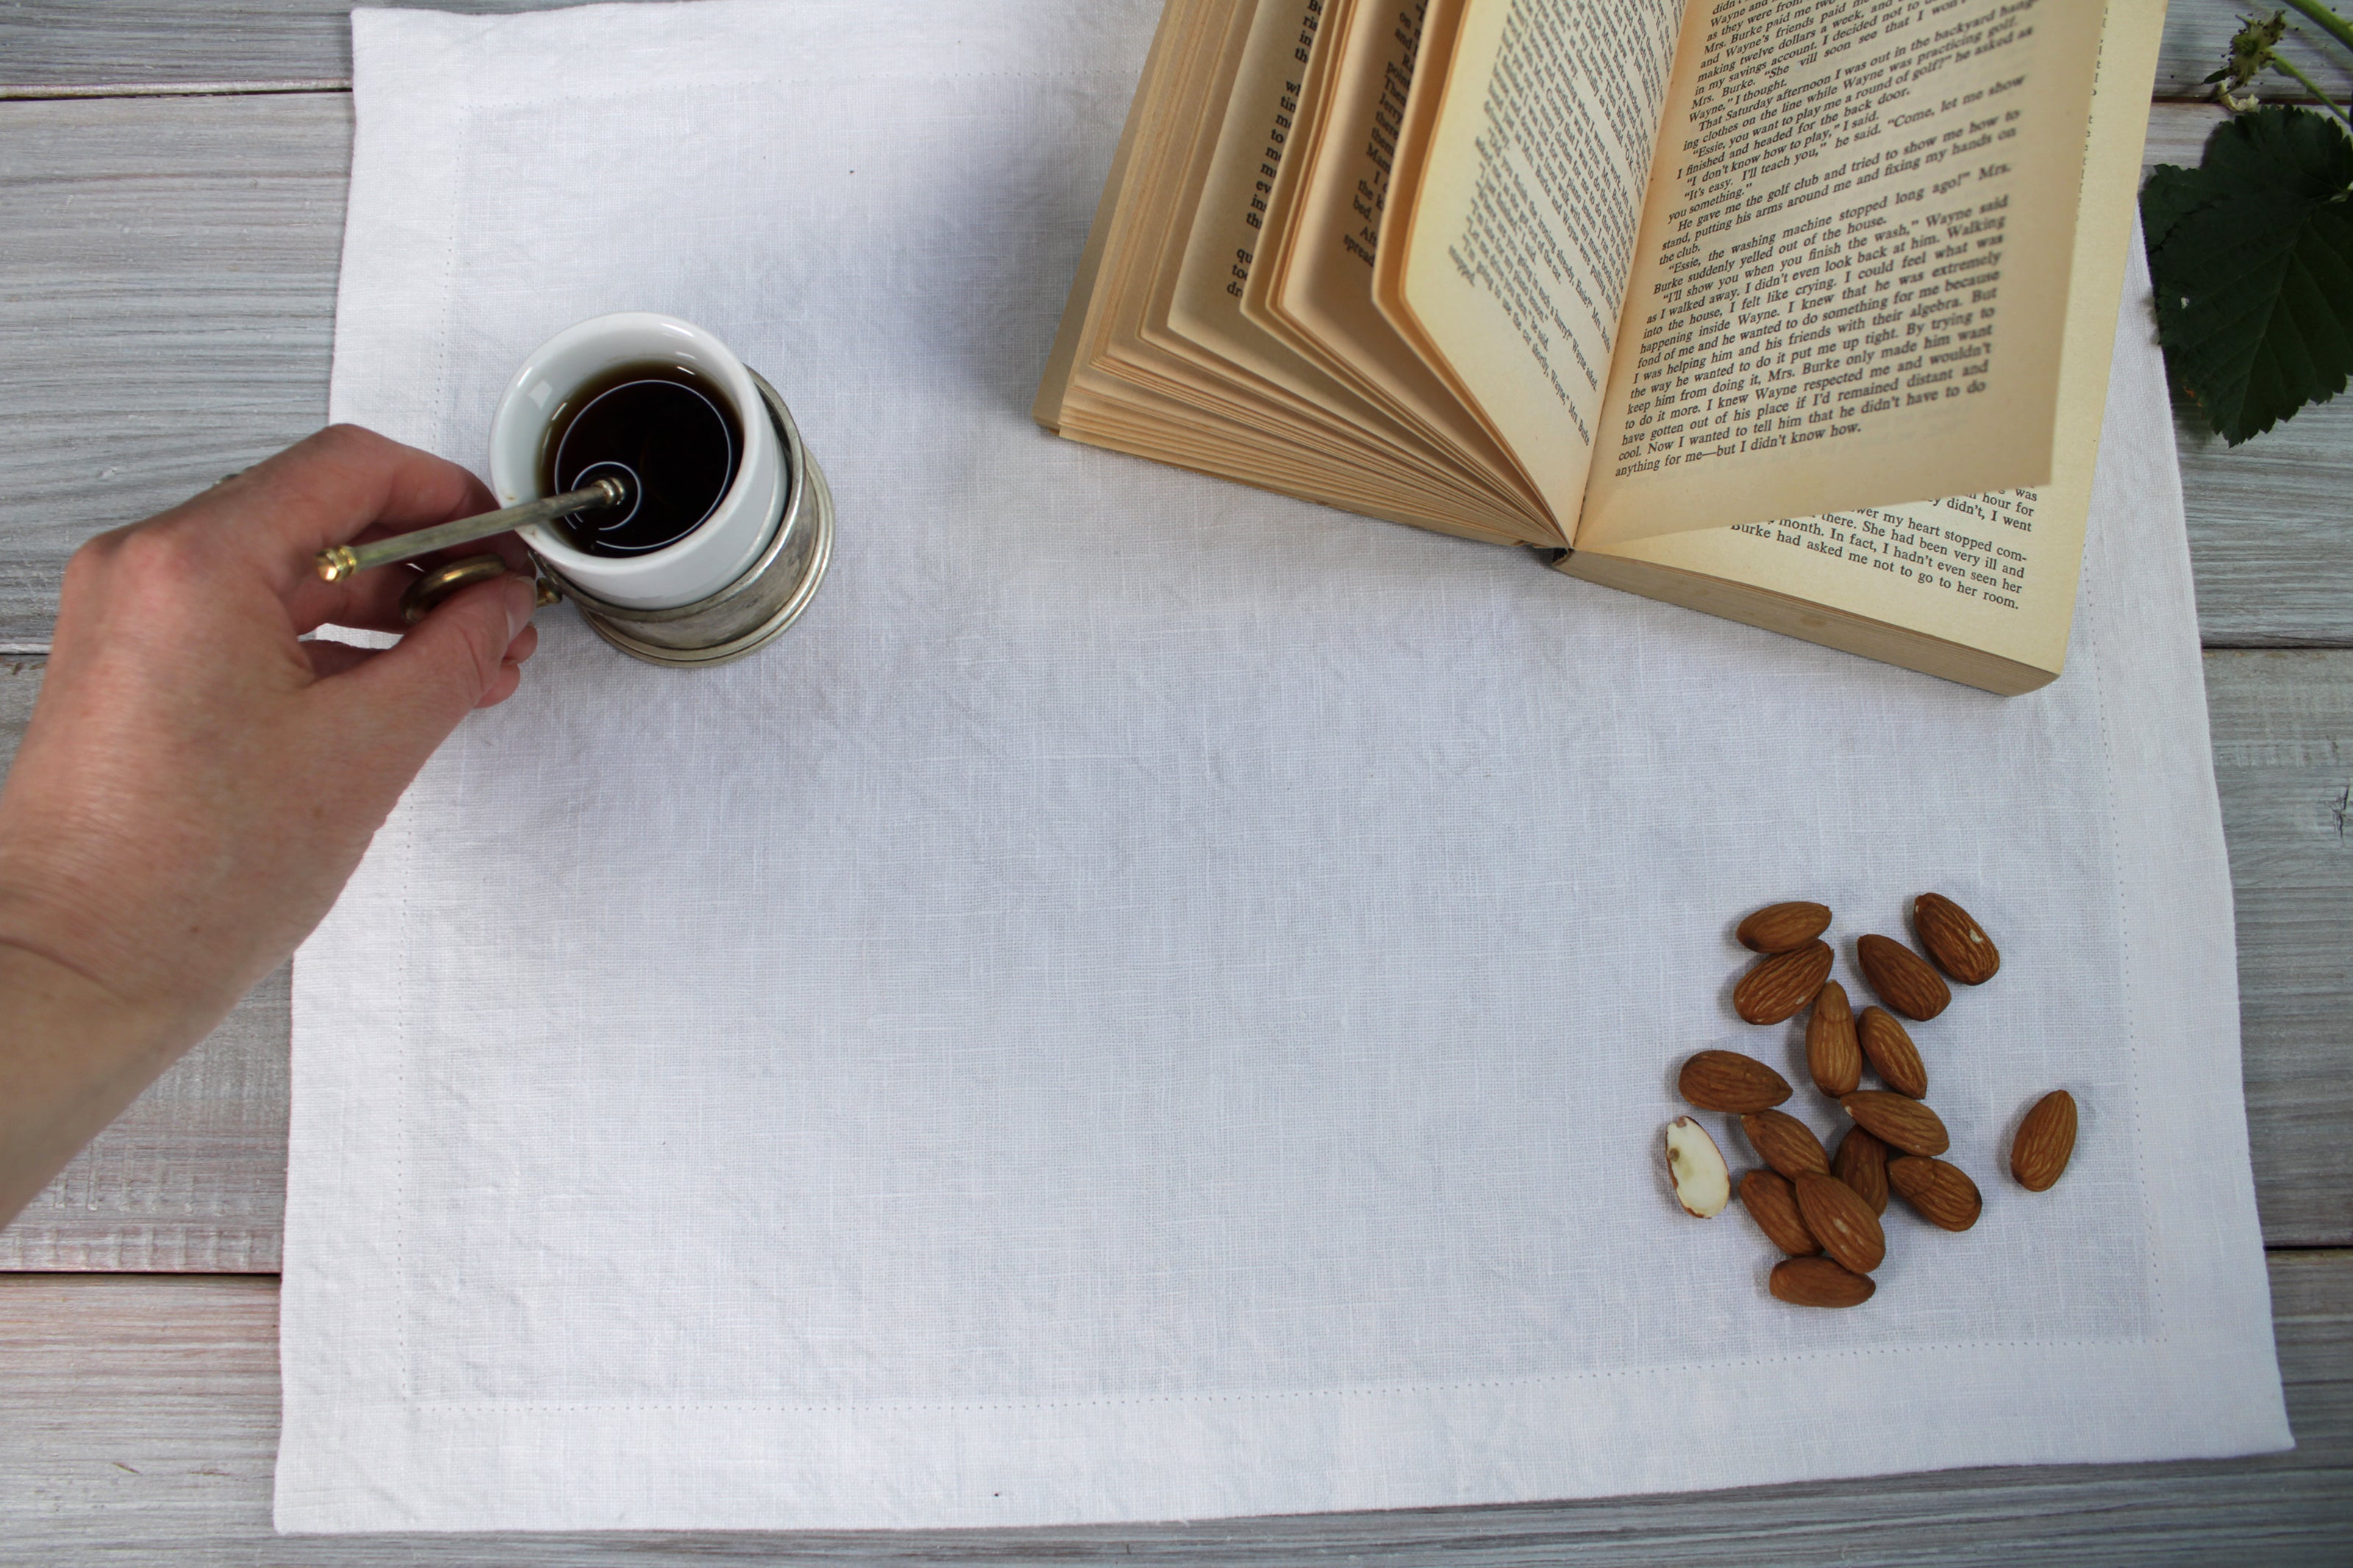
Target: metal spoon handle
(344,560)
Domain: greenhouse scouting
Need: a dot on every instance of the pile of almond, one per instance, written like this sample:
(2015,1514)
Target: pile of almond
(1821,1208)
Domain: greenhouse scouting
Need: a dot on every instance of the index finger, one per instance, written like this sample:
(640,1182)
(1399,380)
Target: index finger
(329,489)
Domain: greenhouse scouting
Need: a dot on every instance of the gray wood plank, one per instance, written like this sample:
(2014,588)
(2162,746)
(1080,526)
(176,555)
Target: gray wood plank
(139,1421)
(170,279)
(54,43)
(192,1177)
(2282,730)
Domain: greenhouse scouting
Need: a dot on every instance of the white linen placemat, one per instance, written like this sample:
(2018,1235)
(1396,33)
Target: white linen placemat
(1154,1000)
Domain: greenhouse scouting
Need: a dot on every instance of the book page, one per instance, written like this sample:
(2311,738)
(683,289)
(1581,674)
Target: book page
(1520,230)
(1997,571)
(1253,125)
(1312,278)
(1204,304)
(1854,269)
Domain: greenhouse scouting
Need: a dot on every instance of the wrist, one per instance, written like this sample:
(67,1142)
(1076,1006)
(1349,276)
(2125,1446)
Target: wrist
(73,896)
(73,1054)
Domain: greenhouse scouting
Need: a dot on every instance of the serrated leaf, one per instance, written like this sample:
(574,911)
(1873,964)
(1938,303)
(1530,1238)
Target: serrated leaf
(2252,255)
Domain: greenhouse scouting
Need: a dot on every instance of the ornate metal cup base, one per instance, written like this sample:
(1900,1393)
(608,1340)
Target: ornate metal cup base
(753,610)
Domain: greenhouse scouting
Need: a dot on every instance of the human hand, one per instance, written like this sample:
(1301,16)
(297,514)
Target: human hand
(196,782)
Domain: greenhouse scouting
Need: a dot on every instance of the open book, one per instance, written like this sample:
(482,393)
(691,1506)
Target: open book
(1793,311)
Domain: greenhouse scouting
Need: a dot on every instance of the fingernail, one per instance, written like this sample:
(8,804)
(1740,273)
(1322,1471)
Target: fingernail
(522,597)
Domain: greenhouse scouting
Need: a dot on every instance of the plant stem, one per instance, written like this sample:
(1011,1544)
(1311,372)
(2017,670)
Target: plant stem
(2328,21)
(2312,87)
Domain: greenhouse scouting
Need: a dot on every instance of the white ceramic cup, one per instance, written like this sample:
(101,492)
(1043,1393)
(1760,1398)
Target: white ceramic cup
(724,545)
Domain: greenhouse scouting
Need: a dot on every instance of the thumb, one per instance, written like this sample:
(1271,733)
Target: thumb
(418,688)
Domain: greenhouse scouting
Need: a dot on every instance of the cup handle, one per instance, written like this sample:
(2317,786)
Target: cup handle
(438,585)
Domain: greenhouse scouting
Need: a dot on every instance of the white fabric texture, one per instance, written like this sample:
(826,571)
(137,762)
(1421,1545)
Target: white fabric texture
(1154,1000)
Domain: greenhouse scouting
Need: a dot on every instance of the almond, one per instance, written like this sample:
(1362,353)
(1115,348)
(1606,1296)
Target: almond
(1892,1055)
(1819,1282)
(1778,986)
(1942,1194)
(2039,1154)
(1898,1120)
(1833,1056)
(1702,1186)
(1785,1144)
(1841,1222)
(1861,1163)
(1726,1080)
(1903,978)
(1772,1203)
(1955,940)
(1778,928)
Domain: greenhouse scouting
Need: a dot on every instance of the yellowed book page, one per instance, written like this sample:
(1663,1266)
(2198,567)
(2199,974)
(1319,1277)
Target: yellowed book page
(1314,282)
(1168,170)
(1520,232)
(1853,275)
(1152,394)
(1279,230)
(1137,343)
(1441,30)
(1976,570)
(1996,571)
(1204,305)
(1197,291)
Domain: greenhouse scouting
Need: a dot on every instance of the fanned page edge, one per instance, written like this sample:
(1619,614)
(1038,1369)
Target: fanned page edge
(1070,333)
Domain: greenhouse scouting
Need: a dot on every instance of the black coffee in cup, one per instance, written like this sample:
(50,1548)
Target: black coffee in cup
(666,430)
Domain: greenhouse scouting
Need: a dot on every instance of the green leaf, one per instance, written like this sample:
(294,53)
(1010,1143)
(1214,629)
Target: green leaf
(2252,255)
(2171,191)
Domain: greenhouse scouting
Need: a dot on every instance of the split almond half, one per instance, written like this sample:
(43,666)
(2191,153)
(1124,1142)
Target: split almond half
(1701,1183)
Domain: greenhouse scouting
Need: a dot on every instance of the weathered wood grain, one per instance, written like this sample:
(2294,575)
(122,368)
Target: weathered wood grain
(169,274)
(54,43)
(170,279)
(139,1421)
(194,1176)
(2283,730)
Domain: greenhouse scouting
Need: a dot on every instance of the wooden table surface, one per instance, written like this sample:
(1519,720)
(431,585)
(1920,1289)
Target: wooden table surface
(172,179)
